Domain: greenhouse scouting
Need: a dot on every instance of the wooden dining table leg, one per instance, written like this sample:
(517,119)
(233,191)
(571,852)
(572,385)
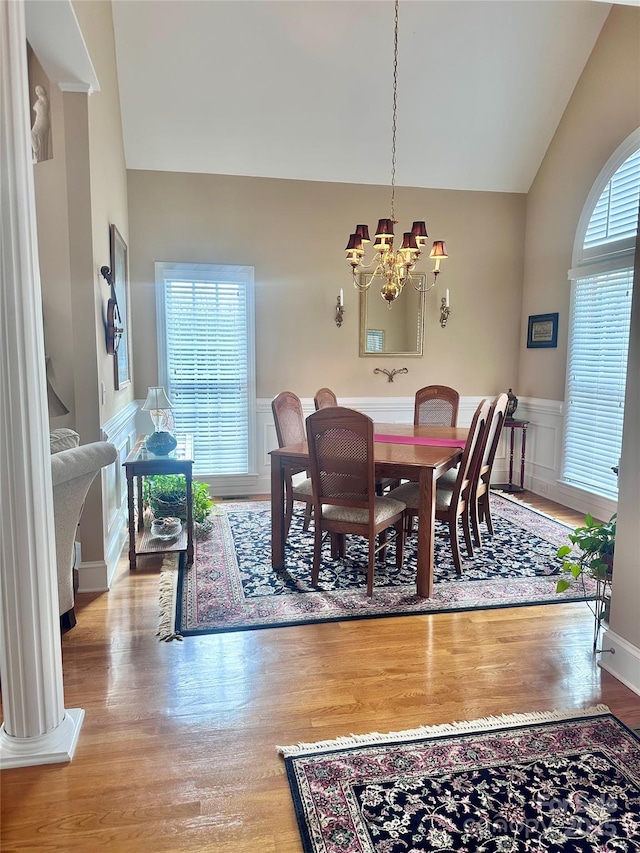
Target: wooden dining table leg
(277,513)
(426,531)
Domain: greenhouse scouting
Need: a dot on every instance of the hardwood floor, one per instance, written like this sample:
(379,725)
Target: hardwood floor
(177,751)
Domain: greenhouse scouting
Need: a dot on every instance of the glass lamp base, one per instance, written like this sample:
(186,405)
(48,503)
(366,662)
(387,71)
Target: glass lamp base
(161,443)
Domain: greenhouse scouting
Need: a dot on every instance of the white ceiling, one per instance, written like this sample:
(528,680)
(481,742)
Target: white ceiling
(303,88)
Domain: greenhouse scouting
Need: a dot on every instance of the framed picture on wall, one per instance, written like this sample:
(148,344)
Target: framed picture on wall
(542,331)
(120,274)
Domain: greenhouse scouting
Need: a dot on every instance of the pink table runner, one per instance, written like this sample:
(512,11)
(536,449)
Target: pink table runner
(412,439)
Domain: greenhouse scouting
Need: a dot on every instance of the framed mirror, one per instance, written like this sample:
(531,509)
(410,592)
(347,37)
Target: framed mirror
(396,331)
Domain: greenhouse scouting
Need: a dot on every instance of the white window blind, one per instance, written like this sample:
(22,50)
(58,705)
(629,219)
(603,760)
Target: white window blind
(597,370)
(208,368)
(599,325)
(615,215)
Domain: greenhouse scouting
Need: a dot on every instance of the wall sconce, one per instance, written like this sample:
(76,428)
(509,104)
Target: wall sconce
(445,309)
(340,308)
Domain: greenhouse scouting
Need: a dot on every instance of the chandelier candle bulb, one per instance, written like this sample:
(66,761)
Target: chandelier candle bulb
(446,298)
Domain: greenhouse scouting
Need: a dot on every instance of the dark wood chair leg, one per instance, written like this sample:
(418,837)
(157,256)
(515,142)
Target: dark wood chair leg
(486,512)
(455,544)
(307,517)
(68,620)
(475,521)
(371,566)
(383,545)
(317,548)
(288,510)
(467,531)
(400,535)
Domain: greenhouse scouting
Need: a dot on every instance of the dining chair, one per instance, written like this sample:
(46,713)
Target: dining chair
(341,454)
(290,429)
(453,490)
(480,507)
(324,398)
(436,405)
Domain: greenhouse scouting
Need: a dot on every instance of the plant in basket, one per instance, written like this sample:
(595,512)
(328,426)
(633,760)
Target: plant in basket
(166,495)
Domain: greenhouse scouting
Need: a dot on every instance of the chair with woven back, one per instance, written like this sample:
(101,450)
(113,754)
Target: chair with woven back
(290,429)
(480,508)
(341,454)
(453,492)
(325,398)
(436,405)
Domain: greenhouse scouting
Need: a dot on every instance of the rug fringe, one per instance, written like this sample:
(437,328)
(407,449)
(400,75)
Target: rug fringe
(462,727)
(168,594)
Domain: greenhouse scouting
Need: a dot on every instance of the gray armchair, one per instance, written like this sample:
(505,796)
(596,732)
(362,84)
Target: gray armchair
(73,469)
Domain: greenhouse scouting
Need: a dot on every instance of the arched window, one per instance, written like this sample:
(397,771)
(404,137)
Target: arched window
(602,281)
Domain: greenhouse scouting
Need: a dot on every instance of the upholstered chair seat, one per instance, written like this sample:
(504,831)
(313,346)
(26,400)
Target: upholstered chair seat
(384,509)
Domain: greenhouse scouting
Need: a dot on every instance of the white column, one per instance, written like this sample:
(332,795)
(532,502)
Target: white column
(36,728)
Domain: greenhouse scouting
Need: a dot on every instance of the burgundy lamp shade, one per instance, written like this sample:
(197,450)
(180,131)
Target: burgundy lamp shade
(385,228)
(438,250)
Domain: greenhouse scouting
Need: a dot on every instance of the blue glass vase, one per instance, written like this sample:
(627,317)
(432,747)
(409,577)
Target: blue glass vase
(161,443)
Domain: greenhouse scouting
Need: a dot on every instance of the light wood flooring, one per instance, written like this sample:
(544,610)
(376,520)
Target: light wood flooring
(177,751)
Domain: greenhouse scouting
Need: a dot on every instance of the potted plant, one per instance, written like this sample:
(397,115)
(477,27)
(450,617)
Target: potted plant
(166,495)
(595,542)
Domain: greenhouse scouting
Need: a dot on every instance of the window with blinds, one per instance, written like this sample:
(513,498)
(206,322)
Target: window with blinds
(599,333)
(597,372)
(615,215)
(205,342)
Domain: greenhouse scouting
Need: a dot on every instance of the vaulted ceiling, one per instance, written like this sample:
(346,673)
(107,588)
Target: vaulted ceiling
(303,88)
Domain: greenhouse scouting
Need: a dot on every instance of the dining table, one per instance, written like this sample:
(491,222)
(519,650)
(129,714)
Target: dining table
(402,451)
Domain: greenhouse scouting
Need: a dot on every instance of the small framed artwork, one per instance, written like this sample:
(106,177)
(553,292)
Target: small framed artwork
(543,331)
(120,274)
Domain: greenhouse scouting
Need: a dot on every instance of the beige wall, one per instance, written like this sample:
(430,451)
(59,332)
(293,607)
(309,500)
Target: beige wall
(294,234)
(50,182)
(79,192)
(107,175)
(603,111)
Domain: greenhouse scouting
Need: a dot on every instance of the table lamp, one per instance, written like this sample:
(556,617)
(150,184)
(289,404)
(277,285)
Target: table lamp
(160,442)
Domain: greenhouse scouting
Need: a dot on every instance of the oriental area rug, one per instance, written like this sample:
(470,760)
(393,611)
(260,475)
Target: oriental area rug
(553,782)
(232,586)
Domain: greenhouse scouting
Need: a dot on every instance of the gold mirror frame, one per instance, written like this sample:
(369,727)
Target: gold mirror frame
(408,307)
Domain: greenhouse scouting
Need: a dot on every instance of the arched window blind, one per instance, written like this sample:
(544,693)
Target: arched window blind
(599,335)
(205,351)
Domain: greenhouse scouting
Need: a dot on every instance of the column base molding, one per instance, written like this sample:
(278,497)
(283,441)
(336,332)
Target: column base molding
(54,747)
(623,663)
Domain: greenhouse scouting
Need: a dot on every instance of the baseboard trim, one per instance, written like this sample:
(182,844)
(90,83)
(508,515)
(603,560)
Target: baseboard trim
(93,576)
(623,661)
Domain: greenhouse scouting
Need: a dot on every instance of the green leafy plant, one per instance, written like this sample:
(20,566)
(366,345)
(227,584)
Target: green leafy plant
(166,494)
(595,543)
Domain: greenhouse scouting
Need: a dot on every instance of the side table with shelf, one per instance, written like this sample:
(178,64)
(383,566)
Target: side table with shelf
(512,426)
(140,463)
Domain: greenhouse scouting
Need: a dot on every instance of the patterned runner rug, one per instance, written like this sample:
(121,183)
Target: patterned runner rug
(536,782)
(232,587)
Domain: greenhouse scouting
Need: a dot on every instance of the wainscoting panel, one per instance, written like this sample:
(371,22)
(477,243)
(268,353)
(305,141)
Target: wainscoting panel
(121,432)
(543,452)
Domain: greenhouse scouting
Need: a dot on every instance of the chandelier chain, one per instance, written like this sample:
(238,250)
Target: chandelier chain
(395,111)
(393,263)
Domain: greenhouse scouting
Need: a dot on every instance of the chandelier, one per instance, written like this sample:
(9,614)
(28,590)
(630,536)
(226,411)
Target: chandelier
(393,268)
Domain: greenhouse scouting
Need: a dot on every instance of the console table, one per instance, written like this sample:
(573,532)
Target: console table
(140,463)
(512,426)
